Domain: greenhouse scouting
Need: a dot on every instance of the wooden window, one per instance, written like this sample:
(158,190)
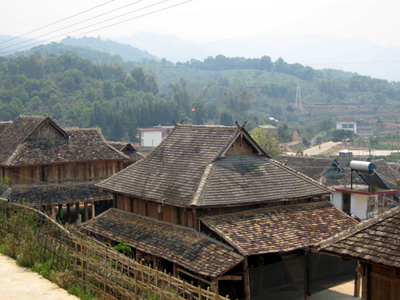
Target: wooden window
(346,204)
(43,173)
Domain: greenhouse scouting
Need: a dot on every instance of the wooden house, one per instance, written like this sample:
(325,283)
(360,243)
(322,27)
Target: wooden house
(49,166)
(364,192)
(375,244)
(128,150)
(209,205)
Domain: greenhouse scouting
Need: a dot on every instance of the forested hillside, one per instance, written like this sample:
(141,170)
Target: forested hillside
(120,96)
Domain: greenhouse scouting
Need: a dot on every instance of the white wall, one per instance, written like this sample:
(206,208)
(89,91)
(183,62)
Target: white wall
(359,205)
(151,138)
(336,199)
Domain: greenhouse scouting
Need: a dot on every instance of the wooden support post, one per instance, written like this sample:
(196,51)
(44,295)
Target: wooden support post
(60,212)
(307,294)
(86,211)
(68,211)
(357,280)
(214,285)
(246,279)
(93,210)
(76,210)
(53,212)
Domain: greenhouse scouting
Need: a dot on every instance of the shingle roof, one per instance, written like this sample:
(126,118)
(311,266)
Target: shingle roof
(387,173)
(67,193)
(376,240)
(128,150)
(75,144)
(184,246)
(4,125)
(313,167)
(279,228)
(187,169)
(320,170)
(17,133)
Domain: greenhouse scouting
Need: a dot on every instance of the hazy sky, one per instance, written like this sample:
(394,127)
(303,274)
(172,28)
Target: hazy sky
(206,20)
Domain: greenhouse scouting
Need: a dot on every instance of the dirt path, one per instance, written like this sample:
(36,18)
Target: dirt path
(21,283)
(319,149)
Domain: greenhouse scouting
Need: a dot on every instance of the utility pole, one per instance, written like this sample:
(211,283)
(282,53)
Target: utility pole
(298,97)
(398,135)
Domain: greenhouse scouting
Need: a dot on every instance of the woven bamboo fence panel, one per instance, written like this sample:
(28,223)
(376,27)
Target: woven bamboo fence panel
(109,273)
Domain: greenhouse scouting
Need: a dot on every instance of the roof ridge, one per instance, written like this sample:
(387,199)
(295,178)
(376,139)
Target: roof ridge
(361,226)
(199,193)
(224,148)
(13,155)
(205,125)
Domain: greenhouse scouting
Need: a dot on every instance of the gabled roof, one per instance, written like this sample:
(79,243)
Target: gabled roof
(181,245)
(17,133)
(19,146)
(376,240)
(127,149)
(313,167)
(328,171)
(280,228)
(191,168)
(387,173)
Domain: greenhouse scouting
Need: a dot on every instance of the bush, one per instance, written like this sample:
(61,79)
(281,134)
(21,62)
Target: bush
(81,293)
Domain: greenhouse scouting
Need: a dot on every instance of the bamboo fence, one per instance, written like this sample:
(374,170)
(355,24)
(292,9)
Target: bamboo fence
(109,273)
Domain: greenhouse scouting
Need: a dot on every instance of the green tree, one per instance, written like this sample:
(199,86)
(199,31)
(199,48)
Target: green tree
(17,104)
(130,83)
(326,125)
(267,141)
(341,134)
(36,103)
(284,133)
(108,91)
(226,119)
(57,110)
(119,89)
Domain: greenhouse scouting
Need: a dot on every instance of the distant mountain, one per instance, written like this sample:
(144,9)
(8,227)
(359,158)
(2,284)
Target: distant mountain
(126,52)
(87,47)
(316,51)
(11,44)
(167,46)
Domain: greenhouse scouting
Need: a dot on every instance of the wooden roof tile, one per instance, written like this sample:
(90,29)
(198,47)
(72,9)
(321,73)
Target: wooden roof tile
(184,246)
(73,145)
(279,228)
(189,169)
(376,240)
(61,194)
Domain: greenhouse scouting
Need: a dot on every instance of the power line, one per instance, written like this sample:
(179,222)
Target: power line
(117,23)
(23,42)
(67,18)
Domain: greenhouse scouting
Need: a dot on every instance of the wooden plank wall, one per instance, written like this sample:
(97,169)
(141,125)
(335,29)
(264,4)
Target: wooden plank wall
(158,211)
(63,173)
(383,283)
(46,131)
(239,147)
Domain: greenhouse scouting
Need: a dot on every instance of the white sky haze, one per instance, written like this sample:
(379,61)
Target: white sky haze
(206,20)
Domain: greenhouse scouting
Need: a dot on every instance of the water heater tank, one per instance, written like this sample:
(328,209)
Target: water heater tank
(362,165)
